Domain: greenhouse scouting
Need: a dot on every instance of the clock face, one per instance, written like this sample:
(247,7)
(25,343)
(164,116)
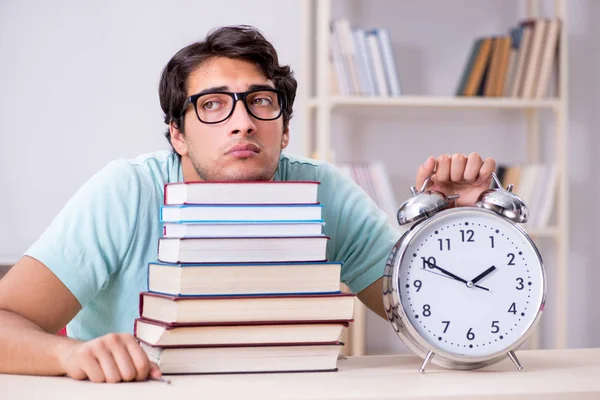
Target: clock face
(470,283)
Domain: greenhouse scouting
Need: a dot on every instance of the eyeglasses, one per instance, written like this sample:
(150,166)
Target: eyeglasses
(215,107)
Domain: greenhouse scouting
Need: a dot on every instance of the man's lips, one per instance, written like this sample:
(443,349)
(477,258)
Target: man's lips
(243,150)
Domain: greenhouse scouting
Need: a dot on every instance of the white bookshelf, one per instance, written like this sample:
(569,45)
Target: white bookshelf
(321,105)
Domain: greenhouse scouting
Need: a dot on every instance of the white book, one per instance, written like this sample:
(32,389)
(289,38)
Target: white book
(342,28)
(549,59)
(534,60)
(389,62)
(522,57)
(341,72)
(244,192)
(241,212)
(364,69)
(236,359)
(162,334)
(242,249)
(235,228)
(219,279)
(381,85)
(252,308)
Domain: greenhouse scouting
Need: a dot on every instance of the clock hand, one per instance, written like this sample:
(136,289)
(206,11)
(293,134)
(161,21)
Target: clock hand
(450,274)
(448,277)
(482,275)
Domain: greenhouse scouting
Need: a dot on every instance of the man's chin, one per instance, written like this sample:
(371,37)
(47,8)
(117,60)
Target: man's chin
(248,174)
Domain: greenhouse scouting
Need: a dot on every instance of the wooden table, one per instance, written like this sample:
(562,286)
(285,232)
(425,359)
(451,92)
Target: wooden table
(547,374)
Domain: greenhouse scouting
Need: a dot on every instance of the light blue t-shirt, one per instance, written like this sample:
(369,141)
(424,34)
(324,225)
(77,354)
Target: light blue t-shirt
(101,242)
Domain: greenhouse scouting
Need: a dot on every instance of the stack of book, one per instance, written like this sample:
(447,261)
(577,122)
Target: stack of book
(242,282)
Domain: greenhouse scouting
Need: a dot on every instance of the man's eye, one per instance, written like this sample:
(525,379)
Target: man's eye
(211,105)
(261,101)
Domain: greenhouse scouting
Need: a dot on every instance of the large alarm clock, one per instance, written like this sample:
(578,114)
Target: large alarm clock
(464,286)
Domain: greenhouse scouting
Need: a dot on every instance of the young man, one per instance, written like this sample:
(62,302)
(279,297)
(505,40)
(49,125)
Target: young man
(227,103)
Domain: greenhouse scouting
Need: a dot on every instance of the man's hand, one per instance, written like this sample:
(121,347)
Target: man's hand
(111,358)
(458,174)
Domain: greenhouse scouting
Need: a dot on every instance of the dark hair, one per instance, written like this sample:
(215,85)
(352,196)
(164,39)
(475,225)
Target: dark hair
(241,42)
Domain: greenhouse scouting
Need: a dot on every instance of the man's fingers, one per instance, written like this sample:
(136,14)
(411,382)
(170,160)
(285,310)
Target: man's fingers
(155,371)
(457,167)
(107,363)
(139,358)
(425,171)
(90,365)
(442,173)
(488,167)
(124,361)
(473,167)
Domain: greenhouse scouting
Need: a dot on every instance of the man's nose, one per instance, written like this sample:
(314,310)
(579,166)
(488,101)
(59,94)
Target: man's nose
(241,121)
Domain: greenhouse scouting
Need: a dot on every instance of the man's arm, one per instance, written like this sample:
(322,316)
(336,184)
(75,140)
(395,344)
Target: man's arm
(372,297)
(29,345)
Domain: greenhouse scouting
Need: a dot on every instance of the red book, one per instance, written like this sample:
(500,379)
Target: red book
(337,307)
(163,334)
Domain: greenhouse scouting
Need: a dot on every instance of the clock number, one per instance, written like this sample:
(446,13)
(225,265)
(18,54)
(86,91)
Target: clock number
(492,240)
(495,327)
(447,323)
(513,308)
(426,310)
(521,286)
(470,334)
(511,257)
(417,284)
(469,233)
(441,241)
(429,262)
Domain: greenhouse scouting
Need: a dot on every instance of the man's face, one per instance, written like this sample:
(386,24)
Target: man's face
(239,148)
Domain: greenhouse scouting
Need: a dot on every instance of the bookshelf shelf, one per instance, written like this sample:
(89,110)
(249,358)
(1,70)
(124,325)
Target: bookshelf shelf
(436,102)
(543,131)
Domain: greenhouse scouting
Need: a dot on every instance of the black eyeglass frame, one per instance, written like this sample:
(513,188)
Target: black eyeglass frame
(193,99)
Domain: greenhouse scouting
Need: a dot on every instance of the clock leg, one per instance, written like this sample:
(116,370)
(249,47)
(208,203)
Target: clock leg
(426,361)
(515,360)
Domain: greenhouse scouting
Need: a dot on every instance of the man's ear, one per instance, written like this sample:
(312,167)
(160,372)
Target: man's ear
(178,139)
(285,138)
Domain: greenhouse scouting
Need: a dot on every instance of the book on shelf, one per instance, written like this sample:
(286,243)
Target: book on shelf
(518,64)
(239,228)
(242,249)
(244,279)
(241,212)
(158,333)
(363,60)
(235,192)
(373,178)
(277,307)
(537,186)
(310,357)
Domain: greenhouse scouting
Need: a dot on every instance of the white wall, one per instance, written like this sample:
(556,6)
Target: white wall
(79,86)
